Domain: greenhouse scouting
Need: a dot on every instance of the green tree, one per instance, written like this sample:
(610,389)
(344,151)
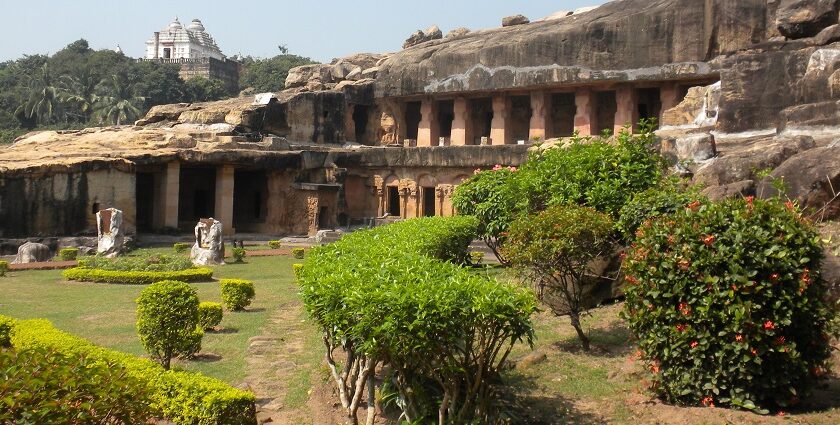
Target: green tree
(268,75)
(44,99)
(200,89)
(167,319)
(80,93)
(117,102)
(158,83)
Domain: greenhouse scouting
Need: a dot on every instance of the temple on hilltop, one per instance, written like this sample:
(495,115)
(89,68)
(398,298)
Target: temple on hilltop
(194,50)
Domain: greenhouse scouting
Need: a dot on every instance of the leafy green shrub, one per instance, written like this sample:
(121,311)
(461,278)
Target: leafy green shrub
(167,318)
(181,247)
(41,386)
(182,397)
(238,254)
(192,345)
(84,274)
(209,315)
(666,198)
(4,267)
(554,250)
(476,257)
(151,263)
(274,244)
(68,254)
(6,324)
(726,301)
(237,293)
(297,268)
(395,295)
(298,253)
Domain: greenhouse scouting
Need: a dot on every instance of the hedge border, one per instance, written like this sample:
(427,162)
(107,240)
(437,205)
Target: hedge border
(182,397)
(81,274)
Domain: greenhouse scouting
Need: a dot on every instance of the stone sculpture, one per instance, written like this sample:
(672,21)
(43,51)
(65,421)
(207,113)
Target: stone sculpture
(32,252)
(209,248)
(109,230)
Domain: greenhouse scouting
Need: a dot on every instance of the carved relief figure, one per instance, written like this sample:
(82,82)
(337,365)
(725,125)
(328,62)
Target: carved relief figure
(209,248)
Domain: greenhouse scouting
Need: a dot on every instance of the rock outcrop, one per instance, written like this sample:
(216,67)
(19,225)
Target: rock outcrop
(327,76)
(510,21)
(805,18)
(420,37)
(31,252)
(812,177)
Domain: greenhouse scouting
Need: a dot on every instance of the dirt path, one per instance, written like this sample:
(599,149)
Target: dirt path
(270,361)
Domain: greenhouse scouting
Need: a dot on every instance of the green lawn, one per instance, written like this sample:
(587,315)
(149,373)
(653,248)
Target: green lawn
(105,314)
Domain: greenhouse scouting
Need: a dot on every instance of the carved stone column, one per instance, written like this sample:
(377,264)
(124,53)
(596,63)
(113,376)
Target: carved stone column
(539,115)
(428,132)
(224,198)
(461,124)
(171,192)
(627,109)
(584,117)
(499,127)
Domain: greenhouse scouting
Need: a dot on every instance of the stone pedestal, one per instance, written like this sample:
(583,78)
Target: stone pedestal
(224,197)
(584,121)
(428,132)
(461,124)
(539,116)
(209,247)
(499,127)
(627,109)
(109,229)
(171,190)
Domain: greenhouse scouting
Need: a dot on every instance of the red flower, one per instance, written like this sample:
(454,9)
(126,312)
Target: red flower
(685,309)
(694,206)
(631,280)
(817,371)
(654,368)
(694,344)
(684,264)
(781,413)
(709,240)
(708,401)
(739,337)
(806,277)
(780,340)
(750,199)
(671,239)
(681,327)
(753,352)
(789,205)
(769,325)
(774,277)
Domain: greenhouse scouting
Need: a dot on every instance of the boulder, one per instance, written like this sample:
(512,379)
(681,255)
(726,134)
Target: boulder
(805,18)
(355,74)
(32,252)
(696,147)
(731,190)
(510,21)
(370,72)
(698,109)
(811,177)
(433,33)
(209,248)
(420,37)
(109,232)
(457,32)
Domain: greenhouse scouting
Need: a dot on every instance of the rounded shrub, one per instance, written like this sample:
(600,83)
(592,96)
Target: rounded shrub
(193,343)
(274,244)
(181,247)
(167,318)
(209,315)
(4,267)
(666,198)
(726,302)
(238,254)
(298,253)
(237,293)
(6,324)
(68,254)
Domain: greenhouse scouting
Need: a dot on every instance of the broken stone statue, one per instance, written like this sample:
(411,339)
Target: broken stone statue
(109,232)
(209,249)
(32,252)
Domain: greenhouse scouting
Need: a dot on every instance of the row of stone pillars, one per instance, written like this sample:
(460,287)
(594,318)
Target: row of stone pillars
(585,120)
(223,196)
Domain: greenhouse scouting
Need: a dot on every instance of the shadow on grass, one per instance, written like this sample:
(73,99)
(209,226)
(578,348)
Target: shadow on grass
(251,310)
(608,341)
(206,358)
(825,397)
(222,331)
(523,403)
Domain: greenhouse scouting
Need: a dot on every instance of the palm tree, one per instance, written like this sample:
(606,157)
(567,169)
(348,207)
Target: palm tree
(81,92)
(117,102)
(44,101)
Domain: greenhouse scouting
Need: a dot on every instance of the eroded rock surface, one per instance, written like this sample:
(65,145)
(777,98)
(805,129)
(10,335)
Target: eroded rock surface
(805,18)
(110,237)
(32,252)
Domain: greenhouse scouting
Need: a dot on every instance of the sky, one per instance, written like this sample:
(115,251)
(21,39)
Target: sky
(321,30)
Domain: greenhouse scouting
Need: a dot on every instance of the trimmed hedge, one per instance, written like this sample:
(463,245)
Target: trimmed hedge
(82,274)
(181,247)
(237,293)
(274,244)
(68,254)
(6,324)
(4,267)
(182,397)
(209,315)
(298,253)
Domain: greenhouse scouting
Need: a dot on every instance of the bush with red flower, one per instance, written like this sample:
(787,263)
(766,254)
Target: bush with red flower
(726,301)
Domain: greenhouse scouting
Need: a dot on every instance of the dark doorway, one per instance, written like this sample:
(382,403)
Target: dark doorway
(520,118)
(145,198)
(412,120)
(482,118)
(394,201)
(167,53)
(197,194)
(324,218)
(446,114)
(650,104)
(605,108)
(428,202)
(360,122)
(250,199)
(563,111)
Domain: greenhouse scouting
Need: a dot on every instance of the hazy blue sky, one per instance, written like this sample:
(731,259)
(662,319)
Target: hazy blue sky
(319,29)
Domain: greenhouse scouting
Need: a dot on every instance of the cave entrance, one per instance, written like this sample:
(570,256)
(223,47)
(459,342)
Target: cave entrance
(144,202)
(196,195)
(445,117)
(324,218)
(412,120)
(605,109)
(649,104)
(394,201)
(481,113)
(250,199)
(428,201)
(520,118)
(562,119)
(361,113)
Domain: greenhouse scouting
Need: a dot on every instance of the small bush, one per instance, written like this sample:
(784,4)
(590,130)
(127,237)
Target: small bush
(151,263)
(237,293)
(209,315)
(4,267)
(238,254)
(182,397)
(726,301)
(667,198)
(68,254)
(298,253)
(6,324)
(181,247)
(274,244)
(84,274)
(167,318)
(297,268)
(192,345)
(40,386)
(476,257)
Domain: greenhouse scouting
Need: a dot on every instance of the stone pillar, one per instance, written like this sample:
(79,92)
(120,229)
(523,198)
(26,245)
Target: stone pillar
(669,96)
(627,109)
(224,198)
(539,115)
(499,131)
(350,124)
(171,192)
(462,123)
(584,117)
(428,132)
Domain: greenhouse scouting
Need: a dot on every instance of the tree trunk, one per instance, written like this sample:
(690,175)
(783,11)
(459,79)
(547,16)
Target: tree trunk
(584,340)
